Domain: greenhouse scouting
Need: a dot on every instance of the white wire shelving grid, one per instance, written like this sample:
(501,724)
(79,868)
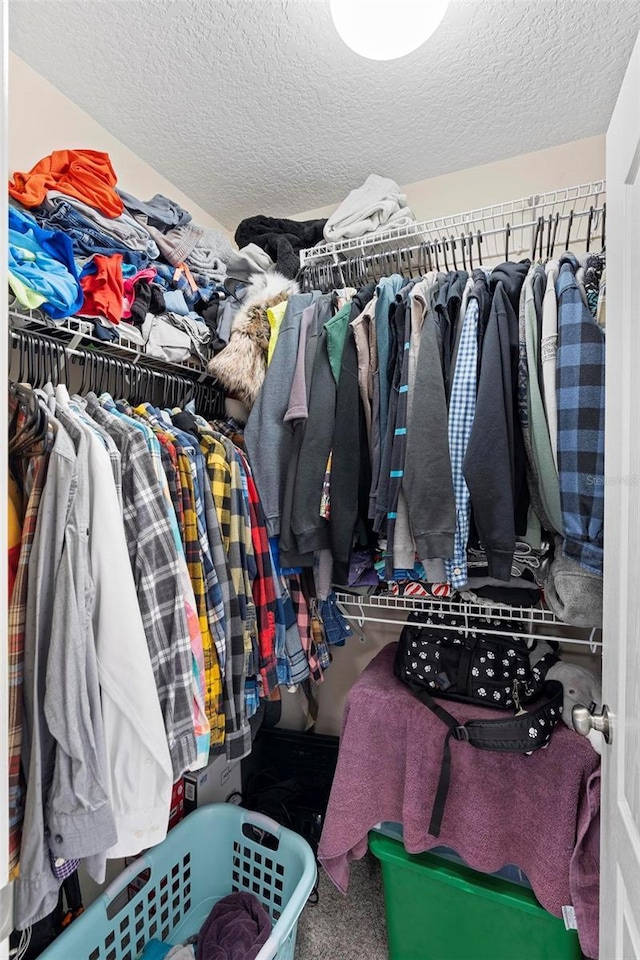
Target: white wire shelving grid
(574,212)
(76,333)
(537,622)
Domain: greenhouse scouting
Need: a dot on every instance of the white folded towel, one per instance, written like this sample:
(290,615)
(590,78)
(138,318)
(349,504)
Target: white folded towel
(376,205)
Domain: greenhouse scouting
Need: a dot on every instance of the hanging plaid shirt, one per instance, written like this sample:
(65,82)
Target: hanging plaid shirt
(154,560)
(303,619)
(193,553)
(462,410)
(29,459)
(580,394)
(226,487)
(175,499)
(237,730)
(264,590)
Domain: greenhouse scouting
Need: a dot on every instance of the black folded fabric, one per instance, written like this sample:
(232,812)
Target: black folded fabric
(281,239)
(149,298)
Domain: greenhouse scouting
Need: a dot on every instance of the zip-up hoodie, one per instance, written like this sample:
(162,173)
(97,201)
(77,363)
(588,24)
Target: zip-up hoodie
(494,465)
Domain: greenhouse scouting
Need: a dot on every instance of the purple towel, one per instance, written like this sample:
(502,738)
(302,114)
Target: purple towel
(540,813)
(236,929)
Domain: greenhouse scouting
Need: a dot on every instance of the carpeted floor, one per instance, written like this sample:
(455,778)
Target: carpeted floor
(346,928)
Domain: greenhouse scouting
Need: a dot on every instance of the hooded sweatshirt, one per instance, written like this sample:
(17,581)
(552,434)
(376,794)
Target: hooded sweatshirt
(351,467)
(267,437)
(427,481)
(494,465)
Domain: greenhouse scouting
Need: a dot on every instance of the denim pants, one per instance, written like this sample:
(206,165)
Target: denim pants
(86,238)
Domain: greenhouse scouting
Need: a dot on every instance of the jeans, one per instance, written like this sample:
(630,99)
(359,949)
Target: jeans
(87,240)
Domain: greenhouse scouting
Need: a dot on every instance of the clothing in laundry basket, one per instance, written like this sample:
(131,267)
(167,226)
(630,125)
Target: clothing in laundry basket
(236,929)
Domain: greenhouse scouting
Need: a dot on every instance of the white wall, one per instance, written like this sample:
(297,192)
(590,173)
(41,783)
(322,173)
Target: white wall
(564,166)
(41,119)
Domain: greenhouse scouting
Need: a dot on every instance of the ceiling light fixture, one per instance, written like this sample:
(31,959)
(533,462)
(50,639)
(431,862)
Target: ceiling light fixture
(386,29)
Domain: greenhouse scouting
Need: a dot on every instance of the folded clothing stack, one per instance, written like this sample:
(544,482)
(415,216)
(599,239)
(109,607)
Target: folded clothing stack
(376,205)
(80,246)
(42,271)
(281,239)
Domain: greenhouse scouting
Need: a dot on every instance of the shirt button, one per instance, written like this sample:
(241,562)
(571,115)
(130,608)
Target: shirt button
(58,838)
(457,571)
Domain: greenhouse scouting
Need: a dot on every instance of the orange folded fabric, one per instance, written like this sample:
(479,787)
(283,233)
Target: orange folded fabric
(85,174)
(103,289)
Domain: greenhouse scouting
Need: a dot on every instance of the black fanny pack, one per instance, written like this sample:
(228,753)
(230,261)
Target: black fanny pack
(440,655)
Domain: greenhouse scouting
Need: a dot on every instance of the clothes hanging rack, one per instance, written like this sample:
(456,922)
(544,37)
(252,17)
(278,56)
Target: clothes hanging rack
(45,356)
(363,608)
(533,226)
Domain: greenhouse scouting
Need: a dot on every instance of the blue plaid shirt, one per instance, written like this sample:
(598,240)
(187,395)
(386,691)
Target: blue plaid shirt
(580,396)
(462,409)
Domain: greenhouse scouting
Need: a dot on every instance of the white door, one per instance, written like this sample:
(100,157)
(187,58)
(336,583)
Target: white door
(620,859)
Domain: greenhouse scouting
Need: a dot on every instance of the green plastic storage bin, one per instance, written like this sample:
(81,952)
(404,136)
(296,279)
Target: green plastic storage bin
(438,910)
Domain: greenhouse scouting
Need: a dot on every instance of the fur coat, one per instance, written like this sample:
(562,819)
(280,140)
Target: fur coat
(241,367)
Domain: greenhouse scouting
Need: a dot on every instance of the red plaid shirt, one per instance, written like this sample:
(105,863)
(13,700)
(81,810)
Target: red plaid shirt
(263,588)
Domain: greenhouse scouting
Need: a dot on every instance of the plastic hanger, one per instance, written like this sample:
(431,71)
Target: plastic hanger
(589,225)
(555,231)
(23,352)
(507,234)
(569,225)
(479,241)
(539,231)
(452,241)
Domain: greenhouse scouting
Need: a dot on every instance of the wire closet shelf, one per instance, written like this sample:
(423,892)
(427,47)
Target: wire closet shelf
(53,349)
(537,623)
(532,226)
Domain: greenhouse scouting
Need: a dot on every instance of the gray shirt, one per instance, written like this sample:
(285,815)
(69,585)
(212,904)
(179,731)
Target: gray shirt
(67,808)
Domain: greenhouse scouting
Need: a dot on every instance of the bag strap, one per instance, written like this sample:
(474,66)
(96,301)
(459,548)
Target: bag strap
(523,733)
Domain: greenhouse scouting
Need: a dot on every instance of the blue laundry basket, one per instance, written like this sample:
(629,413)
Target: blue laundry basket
(168,892)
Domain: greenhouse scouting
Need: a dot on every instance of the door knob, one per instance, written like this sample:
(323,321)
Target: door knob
(585,720)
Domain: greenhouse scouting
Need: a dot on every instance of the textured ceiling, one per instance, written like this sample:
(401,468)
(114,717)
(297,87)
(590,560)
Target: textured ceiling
(256,106)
